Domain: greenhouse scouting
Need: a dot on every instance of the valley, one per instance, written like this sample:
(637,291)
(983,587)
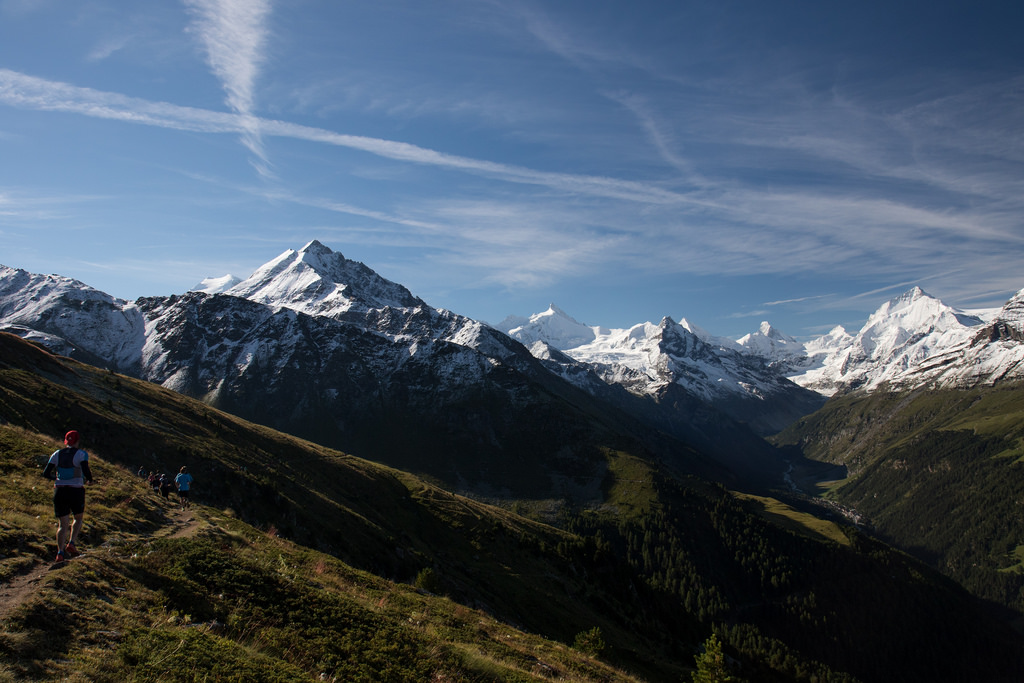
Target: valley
(663,561)
(650,487)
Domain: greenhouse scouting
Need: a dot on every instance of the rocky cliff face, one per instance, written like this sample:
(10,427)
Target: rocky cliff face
(1007,326)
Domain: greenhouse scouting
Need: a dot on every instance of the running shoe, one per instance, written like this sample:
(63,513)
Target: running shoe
(60,557)
(71,551)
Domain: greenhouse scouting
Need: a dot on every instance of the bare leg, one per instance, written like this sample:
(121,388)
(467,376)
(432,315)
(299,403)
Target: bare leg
(76,528)
(63,532)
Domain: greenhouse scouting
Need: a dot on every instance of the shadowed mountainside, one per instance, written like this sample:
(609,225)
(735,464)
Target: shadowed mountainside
(655,563)
(939,473)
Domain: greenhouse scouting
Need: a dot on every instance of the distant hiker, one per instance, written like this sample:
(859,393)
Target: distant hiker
(68,468)
(165,486)
(142,471)
(184,482)
(154,482)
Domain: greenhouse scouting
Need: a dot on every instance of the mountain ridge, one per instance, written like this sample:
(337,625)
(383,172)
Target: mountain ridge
(660,564)
(904,333)
(939,473)
(323,346)
(337,361)
(911,340)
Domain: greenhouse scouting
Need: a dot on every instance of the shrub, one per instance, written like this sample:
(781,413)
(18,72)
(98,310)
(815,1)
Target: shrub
(590,642)
(428,580)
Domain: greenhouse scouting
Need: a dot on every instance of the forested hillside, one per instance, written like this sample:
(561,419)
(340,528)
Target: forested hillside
(939,473)
(308,561)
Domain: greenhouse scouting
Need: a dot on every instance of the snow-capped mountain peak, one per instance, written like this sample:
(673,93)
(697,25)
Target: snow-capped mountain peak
(556,327)
(914,318)
(767,330)
(893,347)
(836,338)
(660,359)
(318,281)
(1013,312)
(770,343)
(707,337)
(917,310)
(55,309)
(216,285)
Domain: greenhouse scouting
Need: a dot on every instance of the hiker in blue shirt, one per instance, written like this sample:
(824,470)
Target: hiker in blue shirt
(68,468)
(183,480)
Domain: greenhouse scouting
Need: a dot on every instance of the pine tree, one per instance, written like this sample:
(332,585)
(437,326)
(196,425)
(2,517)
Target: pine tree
(711,663)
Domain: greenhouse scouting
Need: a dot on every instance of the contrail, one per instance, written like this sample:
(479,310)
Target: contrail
(30,92)
(233,33)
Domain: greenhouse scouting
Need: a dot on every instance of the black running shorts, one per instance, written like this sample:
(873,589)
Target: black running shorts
(68,500)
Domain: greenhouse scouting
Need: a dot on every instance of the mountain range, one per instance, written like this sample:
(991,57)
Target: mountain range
(911,341)
(301,563)
(676,458)
(321,346)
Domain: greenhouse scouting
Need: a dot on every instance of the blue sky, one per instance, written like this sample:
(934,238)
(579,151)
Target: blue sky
(726,162)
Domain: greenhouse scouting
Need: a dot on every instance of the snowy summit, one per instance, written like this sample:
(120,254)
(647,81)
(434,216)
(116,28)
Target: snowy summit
(216,285)
(911,340)
(319,281)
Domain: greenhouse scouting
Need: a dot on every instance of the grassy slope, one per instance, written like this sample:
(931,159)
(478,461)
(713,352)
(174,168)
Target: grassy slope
(800,522)
(940,473)
(228,602)
(655,568)
(389,523)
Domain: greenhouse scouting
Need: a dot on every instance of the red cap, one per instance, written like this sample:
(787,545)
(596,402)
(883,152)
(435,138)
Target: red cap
(71,438)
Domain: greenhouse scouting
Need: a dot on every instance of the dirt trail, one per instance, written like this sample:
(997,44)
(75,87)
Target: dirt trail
(20,588)
(186,523)
(16,591)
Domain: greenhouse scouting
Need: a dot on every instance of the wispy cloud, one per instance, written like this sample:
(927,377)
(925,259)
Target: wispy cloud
(346,208)
(911,162)
(234,34)
(525,242)
(572,45)
(898,138)
(656,132)
(730,227)
(798,300)
(29,92)
(401,151)
(740,315)
(108,47)
(16,204)
(374,90)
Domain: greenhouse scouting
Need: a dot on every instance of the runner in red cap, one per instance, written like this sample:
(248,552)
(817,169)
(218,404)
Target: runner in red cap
(69,470)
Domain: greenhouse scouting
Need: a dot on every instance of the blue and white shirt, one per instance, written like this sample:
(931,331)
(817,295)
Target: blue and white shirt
(67,463)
